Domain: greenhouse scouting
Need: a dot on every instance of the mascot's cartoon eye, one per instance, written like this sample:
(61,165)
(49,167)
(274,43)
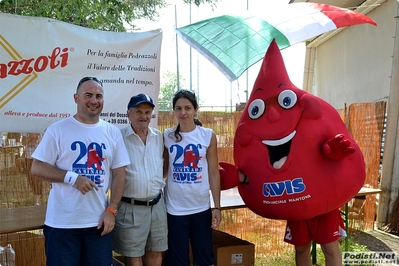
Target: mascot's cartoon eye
(287,99)
(256,109)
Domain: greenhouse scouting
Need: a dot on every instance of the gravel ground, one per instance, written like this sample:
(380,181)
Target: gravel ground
(378,241)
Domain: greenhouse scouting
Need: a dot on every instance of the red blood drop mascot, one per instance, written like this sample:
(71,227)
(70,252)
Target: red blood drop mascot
(298,158)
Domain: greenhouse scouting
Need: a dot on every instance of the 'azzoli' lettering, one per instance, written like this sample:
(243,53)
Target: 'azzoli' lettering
(26,66)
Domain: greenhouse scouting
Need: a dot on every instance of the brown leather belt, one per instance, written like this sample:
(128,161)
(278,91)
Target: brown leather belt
(148,203)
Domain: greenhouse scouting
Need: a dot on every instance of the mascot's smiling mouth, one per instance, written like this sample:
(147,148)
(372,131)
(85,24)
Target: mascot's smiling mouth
(279,149)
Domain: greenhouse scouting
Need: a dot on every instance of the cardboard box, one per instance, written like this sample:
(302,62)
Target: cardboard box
(232,251)
(229,251)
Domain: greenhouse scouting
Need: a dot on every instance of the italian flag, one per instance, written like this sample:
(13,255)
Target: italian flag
(233,43)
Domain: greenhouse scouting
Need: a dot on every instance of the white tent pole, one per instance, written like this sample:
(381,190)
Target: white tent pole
(198,66)
(191,56)
(246,72)
(177,53)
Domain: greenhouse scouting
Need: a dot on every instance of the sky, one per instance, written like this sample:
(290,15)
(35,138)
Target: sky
(214,90)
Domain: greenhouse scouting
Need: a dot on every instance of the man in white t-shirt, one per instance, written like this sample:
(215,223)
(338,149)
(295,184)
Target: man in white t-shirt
(83,157)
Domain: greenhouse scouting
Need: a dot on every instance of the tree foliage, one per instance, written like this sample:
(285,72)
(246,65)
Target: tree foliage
(108,15)
(168,90)
(199,2)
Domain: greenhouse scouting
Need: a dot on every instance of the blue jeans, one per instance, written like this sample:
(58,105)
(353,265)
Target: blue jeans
(81,246)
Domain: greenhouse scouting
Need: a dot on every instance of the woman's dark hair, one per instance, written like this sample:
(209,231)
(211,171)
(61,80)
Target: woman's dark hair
(189,95)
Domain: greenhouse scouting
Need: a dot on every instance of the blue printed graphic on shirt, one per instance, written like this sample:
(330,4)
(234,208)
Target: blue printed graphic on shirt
(186,167)
(93,161)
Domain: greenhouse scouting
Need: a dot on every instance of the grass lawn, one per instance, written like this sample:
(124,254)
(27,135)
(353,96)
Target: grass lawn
(288,258)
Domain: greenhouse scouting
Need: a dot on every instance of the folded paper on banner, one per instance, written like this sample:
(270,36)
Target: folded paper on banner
(233,43)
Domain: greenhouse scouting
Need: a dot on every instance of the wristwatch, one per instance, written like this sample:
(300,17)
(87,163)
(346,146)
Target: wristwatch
(113,211)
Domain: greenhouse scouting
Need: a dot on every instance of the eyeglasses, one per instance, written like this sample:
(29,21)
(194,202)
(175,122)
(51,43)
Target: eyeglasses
(83,80)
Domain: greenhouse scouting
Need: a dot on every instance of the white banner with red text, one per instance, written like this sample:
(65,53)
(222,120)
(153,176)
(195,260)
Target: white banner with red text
(42,61)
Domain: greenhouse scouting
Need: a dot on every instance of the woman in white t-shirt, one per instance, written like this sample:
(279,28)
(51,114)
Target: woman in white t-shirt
(191,166)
